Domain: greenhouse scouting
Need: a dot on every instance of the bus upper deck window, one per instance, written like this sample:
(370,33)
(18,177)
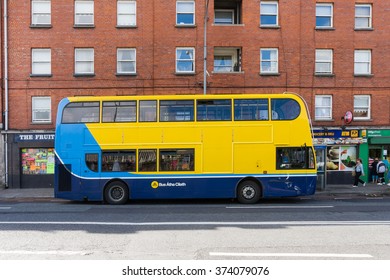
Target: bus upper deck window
(81,112)
(250,109)
(119,111)
(214,110)
(148,111)
(176,110)
(285,109)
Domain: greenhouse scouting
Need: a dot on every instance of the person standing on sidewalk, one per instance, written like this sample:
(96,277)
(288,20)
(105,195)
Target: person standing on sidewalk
(374,173)
(359,171)
(381,170)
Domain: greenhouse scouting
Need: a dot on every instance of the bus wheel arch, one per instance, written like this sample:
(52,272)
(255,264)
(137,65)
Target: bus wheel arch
(116,192)
(249,191)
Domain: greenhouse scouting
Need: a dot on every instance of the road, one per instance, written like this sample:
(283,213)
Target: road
(288,229)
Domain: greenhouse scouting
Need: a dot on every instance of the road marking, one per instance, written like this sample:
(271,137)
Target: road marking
(279,207)
(26,252)
(289,255)
(5,208)
(211,223)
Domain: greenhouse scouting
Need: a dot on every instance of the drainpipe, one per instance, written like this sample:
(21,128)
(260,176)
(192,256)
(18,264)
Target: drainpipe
(206,17)
(5,31)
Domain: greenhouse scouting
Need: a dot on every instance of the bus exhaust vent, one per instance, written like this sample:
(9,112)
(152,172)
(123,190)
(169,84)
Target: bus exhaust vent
(64,178)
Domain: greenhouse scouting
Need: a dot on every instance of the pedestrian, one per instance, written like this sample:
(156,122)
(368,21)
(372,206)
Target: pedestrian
(381,170)
(387,174)
(359,171)
(374,173)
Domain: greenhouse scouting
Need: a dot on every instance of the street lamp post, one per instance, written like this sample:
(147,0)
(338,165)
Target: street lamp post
(206,16)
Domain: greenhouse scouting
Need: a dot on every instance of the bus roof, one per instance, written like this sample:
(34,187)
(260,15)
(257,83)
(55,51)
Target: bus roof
(182,96)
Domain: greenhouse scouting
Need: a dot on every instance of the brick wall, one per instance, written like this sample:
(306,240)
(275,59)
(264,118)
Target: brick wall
(156,38)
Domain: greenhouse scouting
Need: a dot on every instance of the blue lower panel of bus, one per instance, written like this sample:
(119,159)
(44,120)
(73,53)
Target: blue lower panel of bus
(182,187)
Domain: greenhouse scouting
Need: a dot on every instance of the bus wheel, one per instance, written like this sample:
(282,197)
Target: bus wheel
(248,192)
(116,193)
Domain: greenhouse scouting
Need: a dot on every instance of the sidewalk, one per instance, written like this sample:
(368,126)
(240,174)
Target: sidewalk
(16,194)
(347,191)
(331,191)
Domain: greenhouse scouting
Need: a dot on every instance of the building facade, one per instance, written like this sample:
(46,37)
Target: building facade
(335,54)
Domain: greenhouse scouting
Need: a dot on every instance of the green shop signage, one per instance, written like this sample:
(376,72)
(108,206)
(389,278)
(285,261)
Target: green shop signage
(378,136)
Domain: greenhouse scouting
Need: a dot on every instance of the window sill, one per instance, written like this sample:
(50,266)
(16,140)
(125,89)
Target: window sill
(45,26)
(270,26)
(269,74)
(183,25)
(185,73)
(81,26)
(125,74)
(324,120)
(228,24)
(83,75)
(41,75)
(41,123)
(324,28)
(126,26)
(364,29)
(229,73)
(364,75)
(329,75)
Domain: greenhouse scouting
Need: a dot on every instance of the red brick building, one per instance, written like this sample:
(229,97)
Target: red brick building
(333,53)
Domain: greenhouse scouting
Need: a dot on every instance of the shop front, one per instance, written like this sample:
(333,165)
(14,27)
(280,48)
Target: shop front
(31,160)
(377,145)
(336,152)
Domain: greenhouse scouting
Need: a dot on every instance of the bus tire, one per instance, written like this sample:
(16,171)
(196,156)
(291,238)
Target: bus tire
(248,192)
(116,192)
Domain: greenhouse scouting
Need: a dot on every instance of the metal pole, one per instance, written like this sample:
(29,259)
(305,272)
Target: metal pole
(5,26)
(206,16)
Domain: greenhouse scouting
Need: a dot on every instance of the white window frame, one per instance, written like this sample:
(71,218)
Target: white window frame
(229,52)
(273,63)
(78,15)
(38,107)
(177,60)
(361,61)
(319,5)
(128,13)
(364,108)
(126,61)
(40,58)
(364,17)
(224,68)
(323,108)
(78,60)
(324,57)
(39,11)
(178,12)
(227,11)
(263,13)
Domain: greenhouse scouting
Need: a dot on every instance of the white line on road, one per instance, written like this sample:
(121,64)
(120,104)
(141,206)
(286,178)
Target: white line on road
(274,223)
(279,207)
(27,252)
(289,255)
(5,208)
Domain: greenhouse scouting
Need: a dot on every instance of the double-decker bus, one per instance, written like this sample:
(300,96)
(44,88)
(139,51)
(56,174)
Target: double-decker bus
(243,146)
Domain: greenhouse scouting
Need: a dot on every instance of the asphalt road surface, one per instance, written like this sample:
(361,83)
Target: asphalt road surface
(287,229)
